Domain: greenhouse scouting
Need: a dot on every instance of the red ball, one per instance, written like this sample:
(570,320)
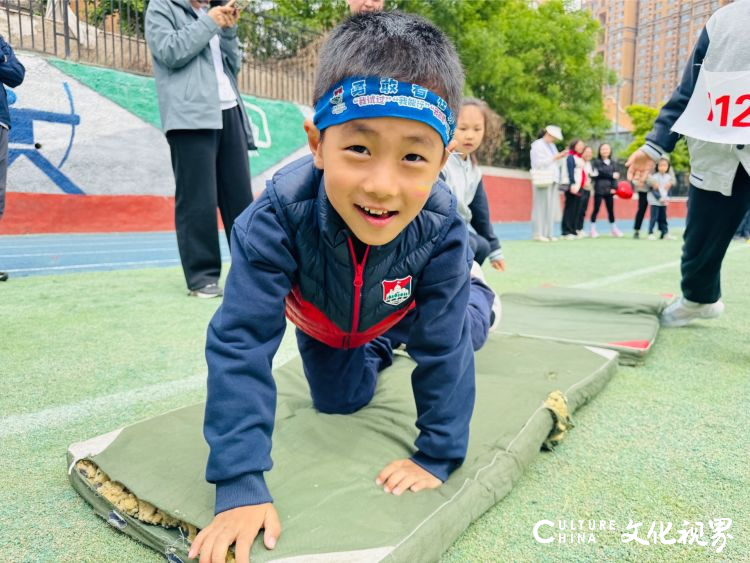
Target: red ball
(624,189)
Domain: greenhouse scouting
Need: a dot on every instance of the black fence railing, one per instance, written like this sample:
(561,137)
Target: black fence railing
(279,58)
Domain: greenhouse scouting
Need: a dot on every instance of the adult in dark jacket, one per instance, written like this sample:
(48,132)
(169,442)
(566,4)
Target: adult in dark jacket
(605,183)
(12,73)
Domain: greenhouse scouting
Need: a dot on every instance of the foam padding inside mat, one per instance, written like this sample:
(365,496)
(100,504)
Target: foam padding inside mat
(621,321)
(325,465)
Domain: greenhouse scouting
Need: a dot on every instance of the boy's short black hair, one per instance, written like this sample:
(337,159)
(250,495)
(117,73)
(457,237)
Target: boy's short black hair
(401,46)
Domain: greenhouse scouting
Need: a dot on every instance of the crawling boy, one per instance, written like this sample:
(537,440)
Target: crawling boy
(362,249)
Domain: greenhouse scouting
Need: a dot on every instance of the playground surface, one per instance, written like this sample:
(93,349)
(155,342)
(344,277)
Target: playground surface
(84,353)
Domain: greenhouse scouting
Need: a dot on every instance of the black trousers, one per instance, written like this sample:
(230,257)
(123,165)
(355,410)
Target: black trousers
(570,213)
(641,213)
(211,169)
(712,220)
(658,216)
(610,203)
(582,208)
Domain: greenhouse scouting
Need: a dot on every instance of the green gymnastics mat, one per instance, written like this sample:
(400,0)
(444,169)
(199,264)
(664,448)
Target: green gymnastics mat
(621,321)
(325,465)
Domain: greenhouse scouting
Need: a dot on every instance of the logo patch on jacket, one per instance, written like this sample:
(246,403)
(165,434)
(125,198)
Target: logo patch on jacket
(397,291)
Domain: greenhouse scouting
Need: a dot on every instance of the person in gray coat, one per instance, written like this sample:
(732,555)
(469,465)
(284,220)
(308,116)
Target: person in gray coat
(196,58)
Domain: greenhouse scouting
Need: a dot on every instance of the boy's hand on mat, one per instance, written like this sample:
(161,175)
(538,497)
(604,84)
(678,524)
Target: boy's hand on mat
(403,474)
(236,526)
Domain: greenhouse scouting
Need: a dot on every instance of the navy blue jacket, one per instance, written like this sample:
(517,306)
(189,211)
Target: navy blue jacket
(480,217)
(291,246)
(11,74)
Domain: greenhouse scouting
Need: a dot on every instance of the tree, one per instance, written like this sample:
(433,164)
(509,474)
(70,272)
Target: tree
(533,66)
(643,118)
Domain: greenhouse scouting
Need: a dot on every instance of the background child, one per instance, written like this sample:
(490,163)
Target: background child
(464,178)
(573,180)
(642,189)
(605,183)
(363,249)
(588,155)
(659,183)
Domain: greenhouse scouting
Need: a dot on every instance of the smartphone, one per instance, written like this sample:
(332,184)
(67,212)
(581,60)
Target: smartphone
(214,3)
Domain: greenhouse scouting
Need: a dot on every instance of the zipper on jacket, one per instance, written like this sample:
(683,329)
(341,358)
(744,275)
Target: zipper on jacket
(359,268)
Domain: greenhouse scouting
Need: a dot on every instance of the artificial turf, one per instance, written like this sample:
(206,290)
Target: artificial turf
(83,354)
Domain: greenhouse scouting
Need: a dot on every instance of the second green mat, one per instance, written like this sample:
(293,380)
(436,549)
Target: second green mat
(622,321)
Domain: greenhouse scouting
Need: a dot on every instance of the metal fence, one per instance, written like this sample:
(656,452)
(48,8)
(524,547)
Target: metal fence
(279,58)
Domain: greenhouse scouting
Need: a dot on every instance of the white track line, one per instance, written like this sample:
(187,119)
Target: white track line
(607,280)
(16,424)
(99,265)
(19,424)
(87,244)
(87,252)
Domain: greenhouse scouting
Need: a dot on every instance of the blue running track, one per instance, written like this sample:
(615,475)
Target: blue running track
(33,255)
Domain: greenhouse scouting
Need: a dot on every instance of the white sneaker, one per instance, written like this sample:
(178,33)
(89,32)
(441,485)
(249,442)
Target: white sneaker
(541,239)
(651,236)
(497,307)
(682,311)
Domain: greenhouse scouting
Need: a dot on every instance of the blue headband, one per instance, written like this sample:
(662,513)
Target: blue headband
(360,98)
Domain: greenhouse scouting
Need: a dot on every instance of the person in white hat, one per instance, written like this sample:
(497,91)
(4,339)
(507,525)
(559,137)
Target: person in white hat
(545,176)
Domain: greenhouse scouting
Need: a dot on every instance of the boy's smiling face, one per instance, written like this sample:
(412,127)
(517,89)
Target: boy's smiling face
(378,172)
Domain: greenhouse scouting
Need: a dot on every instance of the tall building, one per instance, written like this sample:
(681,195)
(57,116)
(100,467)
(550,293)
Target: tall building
(646,42)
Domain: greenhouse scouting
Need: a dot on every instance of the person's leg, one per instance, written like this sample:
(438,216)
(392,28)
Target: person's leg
(744,229)
(582,208)
(232,169)
(538,203)
(3,167)
(663,227)
(3,178)
(595,211)
(609,200)
(654,215)
(479,246)
(641,213)
(342,381)
(484,308)
(711,222)
(569,214)
(552,211)
(193,155)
